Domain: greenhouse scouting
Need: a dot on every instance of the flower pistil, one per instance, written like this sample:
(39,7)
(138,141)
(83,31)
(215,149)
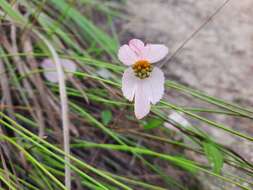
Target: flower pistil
(142,69)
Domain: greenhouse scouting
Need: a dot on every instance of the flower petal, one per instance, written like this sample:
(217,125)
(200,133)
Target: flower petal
(137,46)
(154,85)
(68,65)
(52,75)
(129,84)
(180,119)
(155,52)
(126,55)
(142,103)
(144,91)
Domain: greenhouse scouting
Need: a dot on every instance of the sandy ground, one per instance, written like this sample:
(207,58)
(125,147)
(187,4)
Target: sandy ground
(219,60)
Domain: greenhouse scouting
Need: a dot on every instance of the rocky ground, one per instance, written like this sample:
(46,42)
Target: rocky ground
(219,60)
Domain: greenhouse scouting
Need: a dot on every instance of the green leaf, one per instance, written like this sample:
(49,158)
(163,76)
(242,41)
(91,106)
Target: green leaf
(214,156)
(106,117)
(153,123)
(186,164)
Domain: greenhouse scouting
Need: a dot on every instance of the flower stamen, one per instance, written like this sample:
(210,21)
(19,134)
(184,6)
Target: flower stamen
(142,69)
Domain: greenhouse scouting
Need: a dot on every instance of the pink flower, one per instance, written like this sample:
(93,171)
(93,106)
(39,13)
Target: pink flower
(51,73)
(142,82)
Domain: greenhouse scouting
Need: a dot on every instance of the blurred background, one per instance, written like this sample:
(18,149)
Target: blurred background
(218,60)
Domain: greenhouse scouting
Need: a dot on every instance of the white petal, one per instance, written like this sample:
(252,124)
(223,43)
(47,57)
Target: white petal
(105,73)
(48,64)
(155,52)
(129,84)
(51,75)
(68,65)
(179,118)
(137,46)
(171,127)
(142,103)
(126,55)
(154,85)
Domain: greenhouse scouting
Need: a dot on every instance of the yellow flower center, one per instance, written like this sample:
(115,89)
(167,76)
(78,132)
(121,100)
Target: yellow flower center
(142,69)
